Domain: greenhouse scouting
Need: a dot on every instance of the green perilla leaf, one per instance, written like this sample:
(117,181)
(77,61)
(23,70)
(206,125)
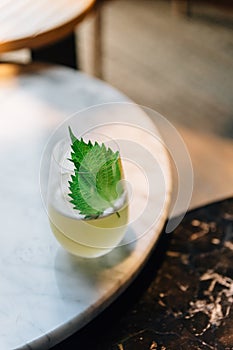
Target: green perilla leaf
(94,184)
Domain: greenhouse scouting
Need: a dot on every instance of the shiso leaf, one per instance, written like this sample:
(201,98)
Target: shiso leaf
(94,186)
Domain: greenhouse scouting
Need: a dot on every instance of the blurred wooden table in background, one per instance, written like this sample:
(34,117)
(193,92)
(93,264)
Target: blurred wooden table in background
(47,28)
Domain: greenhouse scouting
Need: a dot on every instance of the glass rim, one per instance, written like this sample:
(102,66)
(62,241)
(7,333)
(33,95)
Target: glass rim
(66,150)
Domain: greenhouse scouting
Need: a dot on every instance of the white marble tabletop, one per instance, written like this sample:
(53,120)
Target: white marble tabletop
(45,293)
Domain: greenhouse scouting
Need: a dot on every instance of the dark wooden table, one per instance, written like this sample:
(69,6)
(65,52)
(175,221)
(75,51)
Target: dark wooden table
(183,297)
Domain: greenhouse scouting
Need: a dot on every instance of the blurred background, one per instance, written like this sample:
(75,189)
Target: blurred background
(173,56)
(176,57)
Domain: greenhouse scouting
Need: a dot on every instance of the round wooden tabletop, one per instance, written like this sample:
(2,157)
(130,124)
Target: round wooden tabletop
(32,24)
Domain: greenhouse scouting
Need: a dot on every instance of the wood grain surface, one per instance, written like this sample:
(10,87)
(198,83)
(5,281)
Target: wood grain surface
(32,24)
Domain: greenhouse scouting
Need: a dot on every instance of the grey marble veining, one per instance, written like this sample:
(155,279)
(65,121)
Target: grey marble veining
(45,293)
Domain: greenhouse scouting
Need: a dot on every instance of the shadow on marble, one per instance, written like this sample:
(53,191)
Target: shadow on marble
(90,271)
